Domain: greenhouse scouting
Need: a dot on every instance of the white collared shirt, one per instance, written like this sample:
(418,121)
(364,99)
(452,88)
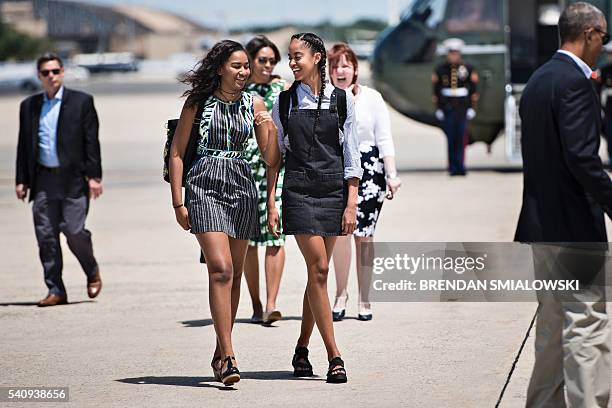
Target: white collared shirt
(581,64)
(348,135)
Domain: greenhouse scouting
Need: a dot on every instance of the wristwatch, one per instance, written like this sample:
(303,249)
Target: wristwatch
(391,176)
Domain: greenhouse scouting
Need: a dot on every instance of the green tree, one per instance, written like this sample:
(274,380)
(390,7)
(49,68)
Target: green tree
(19,46)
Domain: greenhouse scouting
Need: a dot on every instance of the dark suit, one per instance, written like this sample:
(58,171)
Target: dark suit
(78,147)
(566,189)
(60,195)
(566,192)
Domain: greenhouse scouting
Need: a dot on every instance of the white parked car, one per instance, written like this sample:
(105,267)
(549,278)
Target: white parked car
(74,73)
(107,62)
(18,77)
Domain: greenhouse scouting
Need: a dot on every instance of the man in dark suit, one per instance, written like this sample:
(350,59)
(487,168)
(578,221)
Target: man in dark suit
(566,193)
(58,161)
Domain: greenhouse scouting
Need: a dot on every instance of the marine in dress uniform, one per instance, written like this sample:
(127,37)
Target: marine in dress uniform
(455,97)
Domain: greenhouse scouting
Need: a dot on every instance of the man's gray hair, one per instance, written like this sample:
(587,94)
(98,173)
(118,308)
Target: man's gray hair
(577,18)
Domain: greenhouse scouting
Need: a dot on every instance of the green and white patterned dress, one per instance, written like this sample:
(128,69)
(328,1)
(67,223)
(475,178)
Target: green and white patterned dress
(269,92)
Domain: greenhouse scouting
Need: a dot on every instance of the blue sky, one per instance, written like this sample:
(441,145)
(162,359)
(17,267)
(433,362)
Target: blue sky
(239,13)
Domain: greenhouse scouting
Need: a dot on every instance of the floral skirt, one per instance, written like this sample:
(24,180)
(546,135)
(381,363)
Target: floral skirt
(258,167)
(372,190)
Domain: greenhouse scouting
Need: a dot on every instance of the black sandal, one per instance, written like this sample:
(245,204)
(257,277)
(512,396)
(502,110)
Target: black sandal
(216,368)
(300,363)
(336,373)
(231,375)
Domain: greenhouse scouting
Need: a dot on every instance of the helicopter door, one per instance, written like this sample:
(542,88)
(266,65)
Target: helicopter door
(547,32)
(533,36)
(533,41)
(522,50)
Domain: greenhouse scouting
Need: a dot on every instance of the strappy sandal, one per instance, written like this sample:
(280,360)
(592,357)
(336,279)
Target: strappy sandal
(300,363)
(216,368)
(336,373)
(231,375)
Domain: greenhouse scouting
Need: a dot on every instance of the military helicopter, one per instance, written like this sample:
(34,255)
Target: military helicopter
(506,40)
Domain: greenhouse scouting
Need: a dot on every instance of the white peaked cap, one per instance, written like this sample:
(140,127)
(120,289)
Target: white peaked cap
(453,44)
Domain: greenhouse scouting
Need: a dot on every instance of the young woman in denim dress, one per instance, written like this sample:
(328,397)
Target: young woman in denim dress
(320,187)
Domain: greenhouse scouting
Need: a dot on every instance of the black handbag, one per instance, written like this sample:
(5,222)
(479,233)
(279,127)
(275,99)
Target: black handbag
(190,150)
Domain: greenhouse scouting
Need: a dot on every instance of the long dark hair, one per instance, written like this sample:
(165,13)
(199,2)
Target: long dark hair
(315,43)
(204,79)
(257,43)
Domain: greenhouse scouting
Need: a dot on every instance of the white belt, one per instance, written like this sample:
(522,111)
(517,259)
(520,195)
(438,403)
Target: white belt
(455,92)
(606,92)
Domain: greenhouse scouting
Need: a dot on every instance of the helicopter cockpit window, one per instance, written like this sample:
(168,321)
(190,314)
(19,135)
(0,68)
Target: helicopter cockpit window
(473,15)
(429,12)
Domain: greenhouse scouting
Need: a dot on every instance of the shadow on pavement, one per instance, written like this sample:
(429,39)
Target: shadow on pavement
(176,380)
(36,303)
(276,375)
(348,318)
(19,304)
(209,322)
(209,382)
(483,169)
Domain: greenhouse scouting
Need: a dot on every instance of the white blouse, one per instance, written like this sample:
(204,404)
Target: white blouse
(373,122)
(347,136)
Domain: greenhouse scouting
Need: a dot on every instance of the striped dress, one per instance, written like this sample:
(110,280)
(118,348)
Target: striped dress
(220,193)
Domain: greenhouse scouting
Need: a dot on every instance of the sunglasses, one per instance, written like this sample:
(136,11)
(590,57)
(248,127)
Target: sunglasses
(264,60)
(46,72)
(605,38)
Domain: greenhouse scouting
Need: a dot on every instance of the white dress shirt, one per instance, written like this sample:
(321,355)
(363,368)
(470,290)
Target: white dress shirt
(348,135)
(581,64)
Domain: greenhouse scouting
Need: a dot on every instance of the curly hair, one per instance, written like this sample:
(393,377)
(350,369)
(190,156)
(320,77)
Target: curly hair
(315,43)
(204,78)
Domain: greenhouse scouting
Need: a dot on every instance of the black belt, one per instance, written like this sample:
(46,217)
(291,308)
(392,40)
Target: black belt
(54,170)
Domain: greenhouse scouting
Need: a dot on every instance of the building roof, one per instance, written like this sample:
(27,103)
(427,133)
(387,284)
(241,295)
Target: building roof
(159,21)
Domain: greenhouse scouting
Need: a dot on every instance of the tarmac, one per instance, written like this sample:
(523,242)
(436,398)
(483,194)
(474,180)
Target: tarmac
(147,340)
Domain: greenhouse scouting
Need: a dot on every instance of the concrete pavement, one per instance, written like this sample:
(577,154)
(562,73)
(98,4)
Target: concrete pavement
(148,339)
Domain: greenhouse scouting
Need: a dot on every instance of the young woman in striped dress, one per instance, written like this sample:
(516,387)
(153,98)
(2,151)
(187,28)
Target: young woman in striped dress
(220,205)
(264,57)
